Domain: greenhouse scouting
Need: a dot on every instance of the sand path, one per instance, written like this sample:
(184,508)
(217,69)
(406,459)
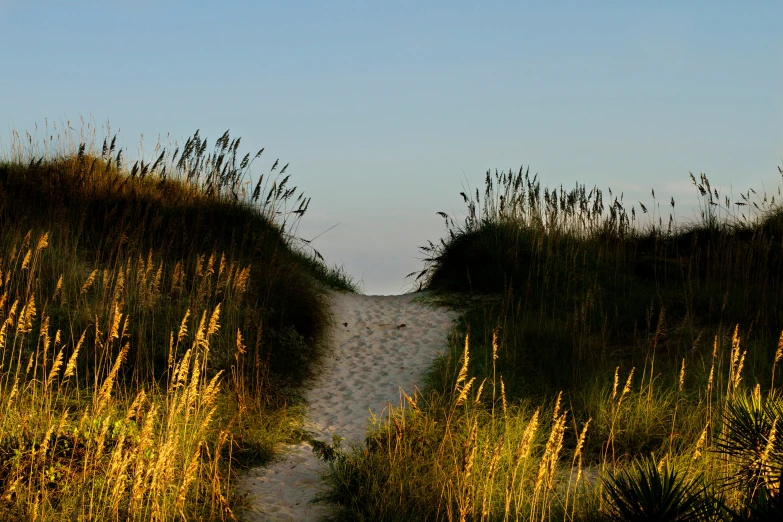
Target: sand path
(379,344)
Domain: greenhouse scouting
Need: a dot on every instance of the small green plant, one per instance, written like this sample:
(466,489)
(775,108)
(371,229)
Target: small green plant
(330,453)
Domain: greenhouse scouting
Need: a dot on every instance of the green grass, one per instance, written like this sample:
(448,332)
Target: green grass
(647,330)
(157,321)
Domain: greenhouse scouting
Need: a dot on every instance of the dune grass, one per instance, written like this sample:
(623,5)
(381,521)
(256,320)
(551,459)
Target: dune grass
(156,321)
(606,367)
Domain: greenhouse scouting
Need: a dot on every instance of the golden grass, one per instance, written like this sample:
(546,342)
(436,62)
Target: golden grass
(458,457)
(101,452)
(151,325)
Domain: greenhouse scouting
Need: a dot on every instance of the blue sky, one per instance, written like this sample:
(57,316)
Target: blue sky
(385,109)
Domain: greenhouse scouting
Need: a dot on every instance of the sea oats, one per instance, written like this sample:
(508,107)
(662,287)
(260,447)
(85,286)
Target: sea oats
(627,387)
(58,361)
(88,283)
(214,324)
(70,368)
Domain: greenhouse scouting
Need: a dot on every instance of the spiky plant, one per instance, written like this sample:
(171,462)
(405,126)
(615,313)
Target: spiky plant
(646,493)
(753,441)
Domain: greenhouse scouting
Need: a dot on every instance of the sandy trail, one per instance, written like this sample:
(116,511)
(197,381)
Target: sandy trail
(379,345)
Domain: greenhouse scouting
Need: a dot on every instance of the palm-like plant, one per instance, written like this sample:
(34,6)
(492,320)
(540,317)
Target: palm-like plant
(646,493)
(752,438)
(766,507)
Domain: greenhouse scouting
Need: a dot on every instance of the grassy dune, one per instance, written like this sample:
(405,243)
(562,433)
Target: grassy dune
(612,364)
(156,320)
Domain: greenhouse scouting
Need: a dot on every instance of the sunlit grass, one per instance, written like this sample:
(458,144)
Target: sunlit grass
(611,364)
(154,321)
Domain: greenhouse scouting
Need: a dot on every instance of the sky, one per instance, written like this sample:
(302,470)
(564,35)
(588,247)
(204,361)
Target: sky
(386,110)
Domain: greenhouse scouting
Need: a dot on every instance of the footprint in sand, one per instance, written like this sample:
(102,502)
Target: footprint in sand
(397,339)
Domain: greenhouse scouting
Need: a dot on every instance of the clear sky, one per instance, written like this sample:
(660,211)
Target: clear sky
(385,109)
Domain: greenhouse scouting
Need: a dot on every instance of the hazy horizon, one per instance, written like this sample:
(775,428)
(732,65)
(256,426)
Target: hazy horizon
(384,111)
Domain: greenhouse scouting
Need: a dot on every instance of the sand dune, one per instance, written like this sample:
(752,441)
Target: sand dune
(379,344)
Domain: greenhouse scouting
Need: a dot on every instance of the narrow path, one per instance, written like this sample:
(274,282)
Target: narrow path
(379,345)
